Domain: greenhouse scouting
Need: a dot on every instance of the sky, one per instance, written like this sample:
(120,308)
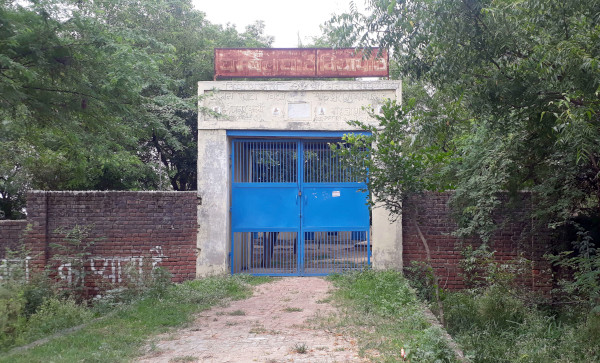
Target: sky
(284,19)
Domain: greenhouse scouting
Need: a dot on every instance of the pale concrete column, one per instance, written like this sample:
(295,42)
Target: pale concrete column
(386,240)
(213,207)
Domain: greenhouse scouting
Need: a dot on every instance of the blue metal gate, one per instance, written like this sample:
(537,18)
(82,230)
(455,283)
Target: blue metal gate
(296,210)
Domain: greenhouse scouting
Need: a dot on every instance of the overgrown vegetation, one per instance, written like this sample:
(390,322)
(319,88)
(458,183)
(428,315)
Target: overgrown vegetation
(383,311)
(497,319)
(119,321)
(502,98)
(495,325)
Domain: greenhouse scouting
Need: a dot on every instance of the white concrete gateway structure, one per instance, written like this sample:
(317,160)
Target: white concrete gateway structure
(262,112)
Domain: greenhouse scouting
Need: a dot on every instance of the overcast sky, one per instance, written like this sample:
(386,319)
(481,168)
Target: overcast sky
(284,19)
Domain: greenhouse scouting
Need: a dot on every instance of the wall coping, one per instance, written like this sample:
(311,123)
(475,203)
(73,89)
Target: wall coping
(82,192)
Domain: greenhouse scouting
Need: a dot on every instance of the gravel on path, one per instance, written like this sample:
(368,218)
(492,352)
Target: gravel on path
(271,326)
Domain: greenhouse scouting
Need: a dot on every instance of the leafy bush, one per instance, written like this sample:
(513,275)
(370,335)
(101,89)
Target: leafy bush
(39,288)
(583,263)
(12,305)
(494,325)
(52,316)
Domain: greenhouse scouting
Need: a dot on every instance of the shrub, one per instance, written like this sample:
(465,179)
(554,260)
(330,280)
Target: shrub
(12,305)
(493,325)
(52,316)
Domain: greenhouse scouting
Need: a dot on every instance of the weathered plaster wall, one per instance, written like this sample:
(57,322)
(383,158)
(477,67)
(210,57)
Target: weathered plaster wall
(293,105)
(280,106)
(213,208)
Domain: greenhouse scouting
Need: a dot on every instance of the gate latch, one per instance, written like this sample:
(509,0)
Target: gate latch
(299,193)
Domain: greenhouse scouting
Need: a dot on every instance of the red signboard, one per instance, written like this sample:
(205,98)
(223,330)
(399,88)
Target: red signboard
(299,63)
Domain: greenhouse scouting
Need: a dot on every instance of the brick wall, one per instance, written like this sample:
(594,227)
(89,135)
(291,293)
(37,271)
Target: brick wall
(10,235)
(126,231)
(510,241)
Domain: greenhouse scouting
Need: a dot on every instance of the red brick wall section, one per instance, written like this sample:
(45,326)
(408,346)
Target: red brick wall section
(509,242)
(130,231)
(11,233)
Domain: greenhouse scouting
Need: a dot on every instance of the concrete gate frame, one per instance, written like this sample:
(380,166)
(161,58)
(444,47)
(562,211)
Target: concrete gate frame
(285,107)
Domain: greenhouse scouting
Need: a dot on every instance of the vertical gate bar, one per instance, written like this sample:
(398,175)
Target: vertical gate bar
(351,256)
(321,171)
(330,174)
(232,254)
(271,164)
(369,247)
(347,256)
(337,252)
(351,252)
(300,182)
(329,171)
(354,251)
(232,247)
(324,166)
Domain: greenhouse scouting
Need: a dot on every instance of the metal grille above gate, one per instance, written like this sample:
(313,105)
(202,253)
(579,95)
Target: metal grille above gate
(296,210)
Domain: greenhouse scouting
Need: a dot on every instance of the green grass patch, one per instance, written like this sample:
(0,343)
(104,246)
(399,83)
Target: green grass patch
(385,315)
(496,325)
(120,335)
(184,359)
(237,313)
(292,310)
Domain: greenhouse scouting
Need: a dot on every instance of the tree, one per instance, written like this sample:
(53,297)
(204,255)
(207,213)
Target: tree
(515,97)
(66,87)
(102,94)
(508,101)
(173,141)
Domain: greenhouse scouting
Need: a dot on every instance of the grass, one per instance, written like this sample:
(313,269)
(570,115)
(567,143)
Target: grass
(300,348)
(237,313)
(184,359)
(494,325)
(292,310)
(121,335)
(382,311)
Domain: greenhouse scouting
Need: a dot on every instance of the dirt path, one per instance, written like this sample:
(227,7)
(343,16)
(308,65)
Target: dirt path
(271,326)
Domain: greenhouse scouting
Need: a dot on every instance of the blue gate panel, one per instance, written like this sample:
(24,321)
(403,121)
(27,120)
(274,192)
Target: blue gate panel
(296,209)
(265,253)
(334,207)
(265,209)
(329,252)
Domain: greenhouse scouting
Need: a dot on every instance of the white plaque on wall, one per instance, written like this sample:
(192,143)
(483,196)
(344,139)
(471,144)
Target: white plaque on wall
(299,111)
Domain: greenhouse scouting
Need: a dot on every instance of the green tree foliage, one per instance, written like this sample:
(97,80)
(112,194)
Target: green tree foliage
(507,100)
(512,92)
(102,94)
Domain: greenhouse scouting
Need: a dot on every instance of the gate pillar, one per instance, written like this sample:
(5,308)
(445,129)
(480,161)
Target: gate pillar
(213,202)
(387,240)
